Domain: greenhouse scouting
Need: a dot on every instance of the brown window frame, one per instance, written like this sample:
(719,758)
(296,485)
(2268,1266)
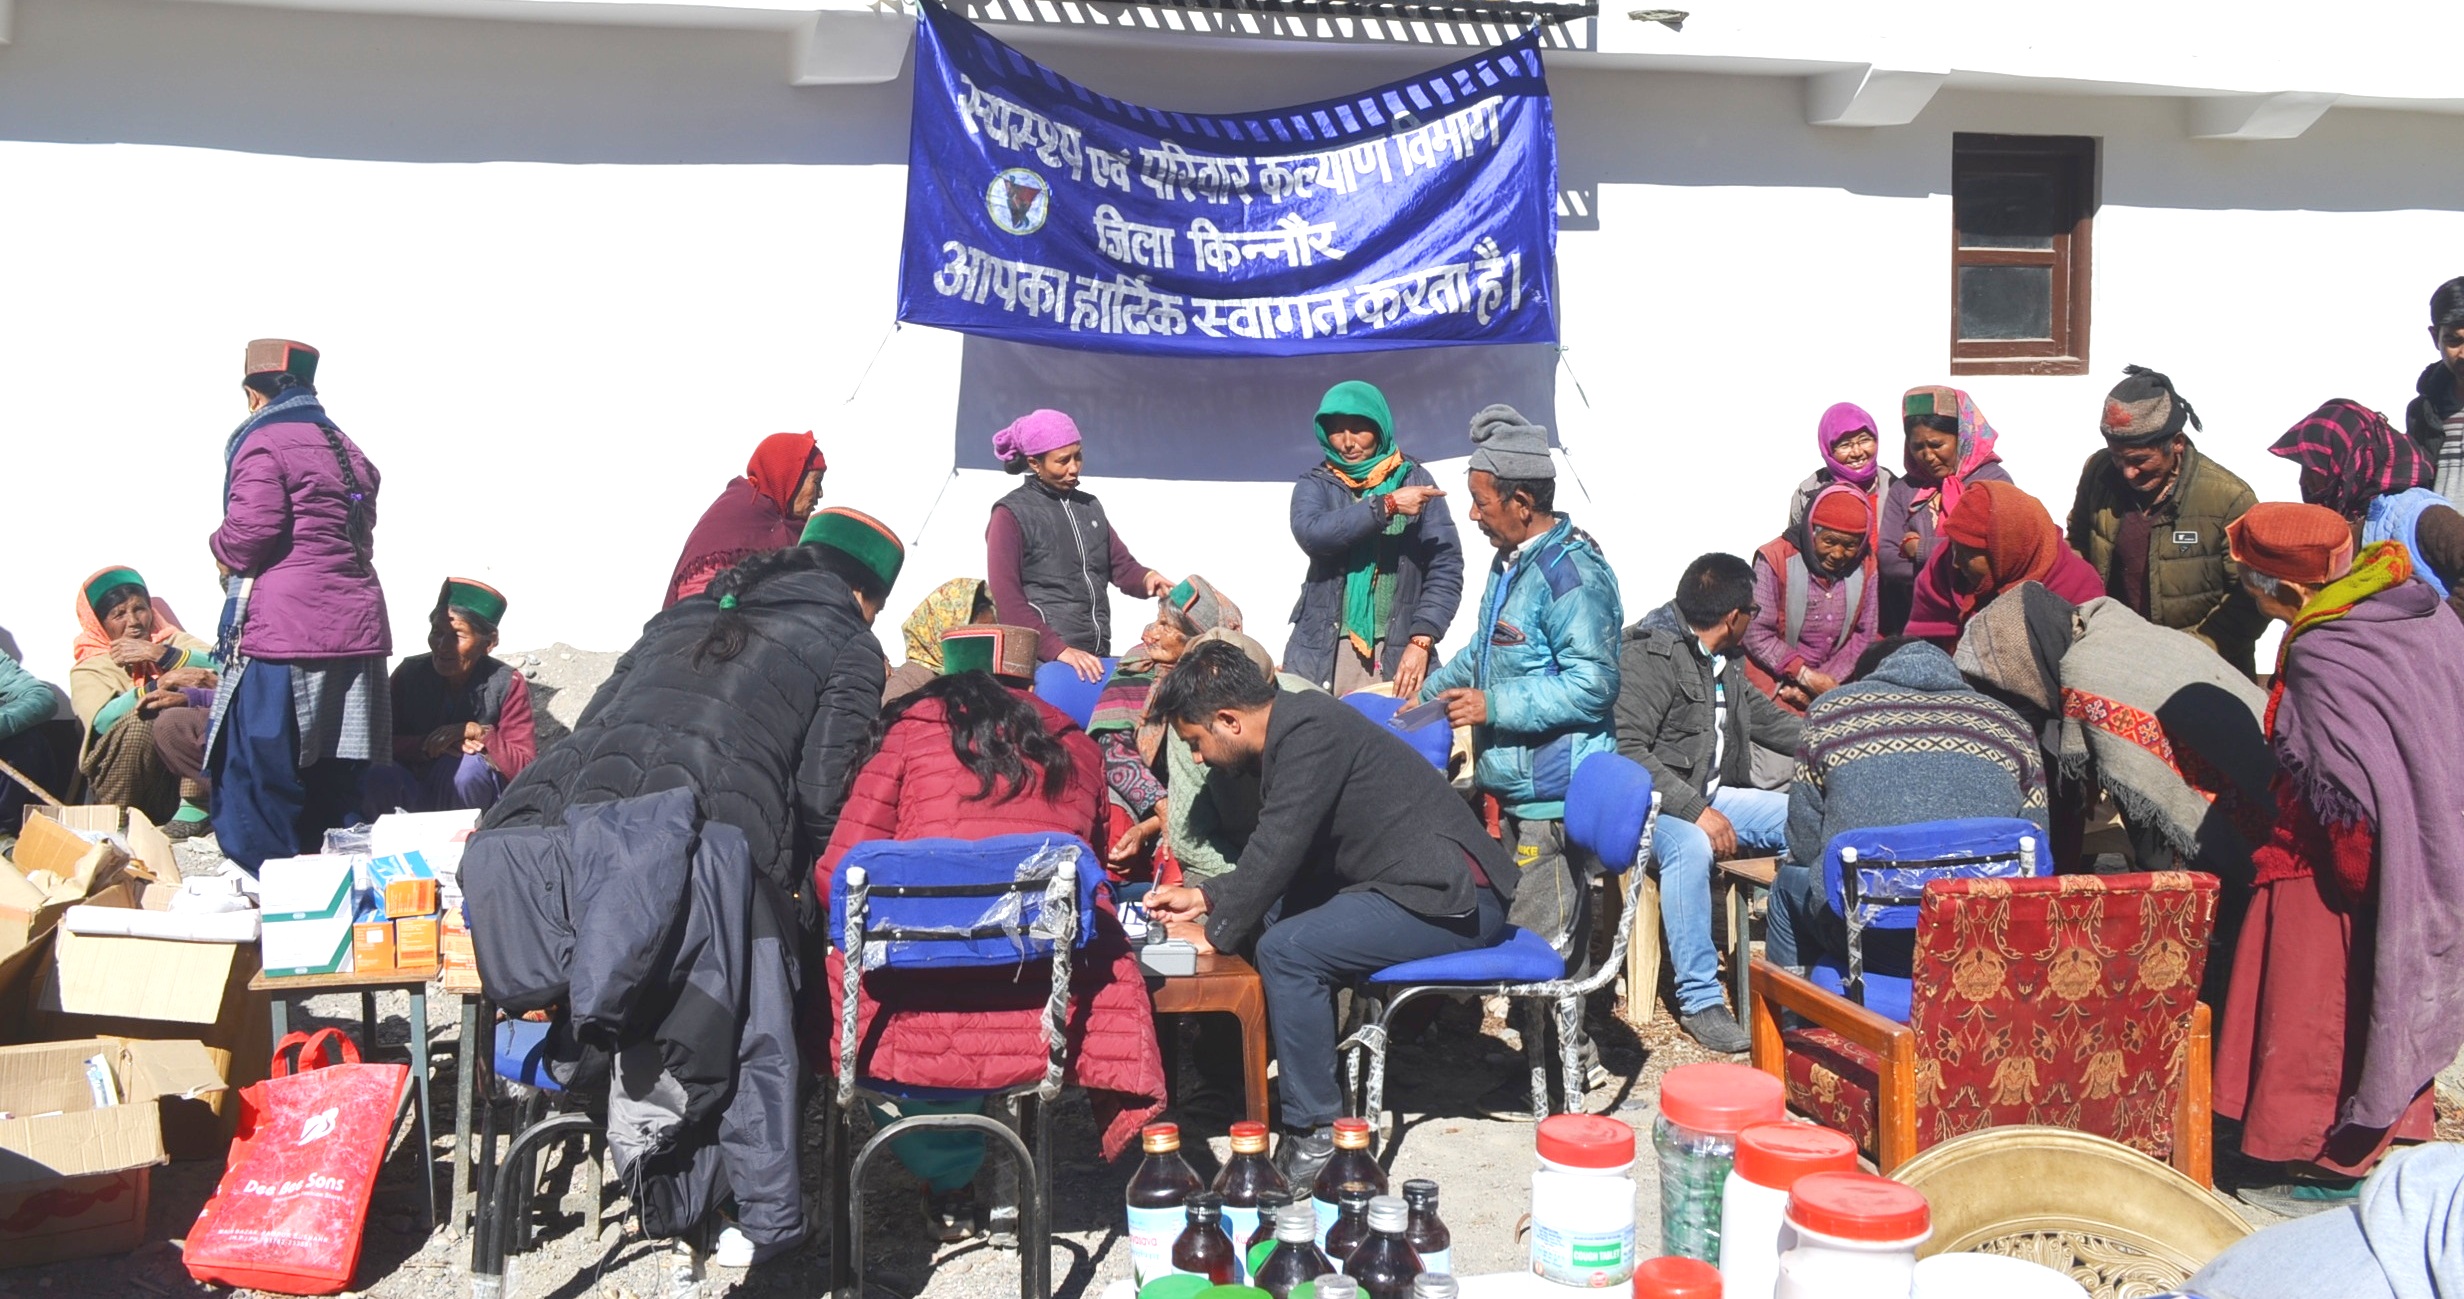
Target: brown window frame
(2072,159)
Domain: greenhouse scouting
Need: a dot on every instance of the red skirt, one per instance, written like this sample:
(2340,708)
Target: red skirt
(2294,1022)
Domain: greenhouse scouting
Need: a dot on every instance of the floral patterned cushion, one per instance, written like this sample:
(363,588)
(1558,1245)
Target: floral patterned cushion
(2064,1001)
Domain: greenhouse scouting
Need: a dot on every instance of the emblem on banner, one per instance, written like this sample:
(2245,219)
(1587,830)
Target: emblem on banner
(1018,200)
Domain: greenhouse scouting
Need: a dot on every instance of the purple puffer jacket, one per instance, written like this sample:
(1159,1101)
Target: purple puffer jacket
(286,523)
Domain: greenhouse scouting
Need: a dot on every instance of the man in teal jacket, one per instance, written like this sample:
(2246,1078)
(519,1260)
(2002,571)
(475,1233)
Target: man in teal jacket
(1538,684)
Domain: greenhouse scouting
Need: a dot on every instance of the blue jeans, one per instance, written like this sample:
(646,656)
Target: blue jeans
(1683,852)
(1802,930)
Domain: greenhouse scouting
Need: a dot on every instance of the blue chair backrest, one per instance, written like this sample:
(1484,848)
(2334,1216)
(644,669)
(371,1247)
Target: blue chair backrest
(1893,865)
(522,1053)
(1894,862)
(1059,685)
(1608,805)
(948,903)
(1432,740)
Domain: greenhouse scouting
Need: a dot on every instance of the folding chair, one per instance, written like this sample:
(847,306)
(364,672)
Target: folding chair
(1003,903)
(1875,878)
(1059,685)
(517,1053)
(1609,810)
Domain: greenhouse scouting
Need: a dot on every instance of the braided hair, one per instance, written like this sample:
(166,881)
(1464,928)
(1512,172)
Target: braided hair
(995,734)
(728,631)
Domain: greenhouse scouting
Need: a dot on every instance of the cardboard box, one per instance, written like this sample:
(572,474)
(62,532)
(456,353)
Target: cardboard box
(147,846)
(415,942)
(372,945)
(78,1176)
(405,886)
(308,914)
(155,990)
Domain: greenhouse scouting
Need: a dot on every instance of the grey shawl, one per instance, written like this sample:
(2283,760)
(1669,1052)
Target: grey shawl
(2128,693)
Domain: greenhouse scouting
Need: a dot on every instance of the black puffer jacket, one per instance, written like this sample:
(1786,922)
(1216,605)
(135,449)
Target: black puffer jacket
(763,739)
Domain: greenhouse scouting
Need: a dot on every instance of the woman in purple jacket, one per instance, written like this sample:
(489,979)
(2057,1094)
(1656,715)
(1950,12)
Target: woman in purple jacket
(303,707)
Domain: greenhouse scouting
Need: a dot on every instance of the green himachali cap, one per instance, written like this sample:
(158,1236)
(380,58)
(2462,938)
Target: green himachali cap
(478,597)
(108,579)
(861,537)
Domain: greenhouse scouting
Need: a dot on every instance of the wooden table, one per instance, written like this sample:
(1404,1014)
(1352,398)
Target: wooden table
(1741,879)
(1224,985)
(414,980)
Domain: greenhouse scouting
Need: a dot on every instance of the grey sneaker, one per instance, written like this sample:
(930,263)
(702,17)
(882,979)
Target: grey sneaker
(1716,1030)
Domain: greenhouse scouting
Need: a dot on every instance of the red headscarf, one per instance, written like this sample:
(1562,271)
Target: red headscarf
(2020,540)
(779,464)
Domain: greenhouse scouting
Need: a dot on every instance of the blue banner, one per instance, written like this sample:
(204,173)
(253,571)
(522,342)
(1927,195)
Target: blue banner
(1422,213)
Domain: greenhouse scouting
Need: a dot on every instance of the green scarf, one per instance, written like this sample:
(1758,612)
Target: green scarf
(1368,579)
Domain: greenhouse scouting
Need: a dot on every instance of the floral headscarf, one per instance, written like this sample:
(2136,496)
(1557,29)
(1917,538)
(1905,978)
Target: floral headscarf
(1976,439)
(950,606)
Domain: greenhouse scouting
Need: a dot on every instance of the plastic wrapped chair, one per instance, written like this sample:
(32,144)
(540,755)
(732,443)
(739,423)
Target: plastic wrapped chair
(518,1054)
(1059,685)
(1609,810)
(1005,903)
(1875,878)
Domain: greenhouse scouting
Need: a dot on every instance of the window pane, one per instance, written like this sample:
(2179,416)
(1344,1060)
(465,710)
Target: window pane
(2009,210)
(2005,302)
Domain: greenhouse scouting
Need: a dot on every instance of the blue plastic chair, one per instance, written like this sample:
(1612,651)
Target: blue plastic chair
(519,1055)
(1059,685)
(1875,878)
(1433,740)
(1610,807)
(1009,904)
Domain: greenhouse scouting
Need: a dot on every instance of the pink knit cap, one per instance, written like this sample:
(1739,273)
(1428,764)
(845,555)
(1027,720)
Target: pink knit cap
(1035,433)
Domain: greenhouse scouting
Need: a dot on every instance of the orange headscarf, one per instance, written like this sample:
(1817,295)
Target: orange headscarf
(2020,540)
(93,640)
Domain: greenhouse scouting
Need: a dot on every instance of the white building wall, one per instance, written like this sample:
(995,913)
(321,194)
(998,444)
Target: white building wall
(566,275)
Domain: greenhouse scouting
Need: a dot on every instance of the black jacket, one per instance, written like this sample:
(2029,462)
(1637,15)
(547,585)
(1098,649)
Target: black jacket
(1664,714)
(763,739)
(1347,805)
(2433,401)
(665,953)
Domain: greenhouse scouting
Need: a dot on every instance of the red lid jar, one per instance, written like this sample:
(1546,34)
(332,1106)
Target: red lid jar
(1676,1278)
(1859,1207)
(1586,1141)
(1721,1099)
(1775,1155)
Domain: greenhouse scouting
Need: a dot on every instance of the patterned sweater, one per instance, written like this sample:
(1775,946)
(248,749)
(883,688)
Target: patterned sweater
(1912,742)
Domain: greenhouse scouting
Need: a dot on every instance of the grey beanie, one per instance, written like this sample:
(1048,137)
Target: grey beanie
(1510,446)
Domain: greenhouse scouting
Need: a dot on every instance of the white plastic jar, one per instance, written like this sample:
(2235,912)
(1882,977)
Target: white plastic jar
(1855,1237)
(1582,1202)
(1770,1159)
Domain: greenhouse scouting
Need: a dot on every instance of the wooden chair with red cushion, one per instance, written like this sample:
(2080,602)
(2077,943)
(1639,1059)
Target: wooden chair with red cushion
(2069,1002)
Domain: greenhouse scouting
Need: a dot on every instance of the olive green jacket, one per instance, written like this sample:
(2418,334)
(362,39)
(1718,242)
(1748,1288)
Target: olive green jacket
(2192,584)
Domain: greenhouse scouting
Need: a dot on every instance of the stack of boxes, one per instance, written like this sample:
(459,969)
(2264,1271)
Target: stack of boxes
(397,927)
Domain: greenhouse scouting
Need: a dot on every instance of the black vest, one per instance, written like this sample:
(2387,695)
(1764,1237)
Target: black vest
(1065,562)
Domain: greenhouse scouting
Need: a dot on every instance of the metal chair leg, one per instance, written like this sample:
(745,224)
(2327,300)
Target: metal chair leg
(1032,1224)
(1035,1203)
(523,1173)
(499,1212)
(1570,1050)
(842,1199)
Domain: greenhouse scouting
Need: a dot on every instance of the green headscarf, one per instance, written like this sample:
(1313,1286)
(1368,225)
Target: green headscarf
(1368,582)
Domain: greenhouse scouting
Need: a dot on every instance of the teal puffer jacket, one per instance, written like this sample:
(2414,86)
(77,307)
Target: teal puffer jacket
(1545,653)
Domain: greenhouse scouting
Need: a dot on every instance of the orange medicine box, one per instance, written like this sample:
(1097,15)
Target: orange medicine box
(372,945)
(405,884)
(414,942)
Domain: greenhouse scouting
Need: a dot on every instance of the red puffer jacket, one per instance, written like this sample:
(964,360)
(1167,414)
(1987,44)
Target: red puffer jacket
(975,1028)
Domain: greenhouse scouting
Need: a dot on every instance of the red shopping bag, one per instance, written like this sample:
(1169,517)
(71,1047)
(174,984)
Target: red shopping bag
(293,1203)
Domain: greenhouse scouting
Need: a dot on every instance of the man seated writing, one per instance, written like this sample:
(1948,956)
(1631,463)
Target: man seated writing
(1363,857)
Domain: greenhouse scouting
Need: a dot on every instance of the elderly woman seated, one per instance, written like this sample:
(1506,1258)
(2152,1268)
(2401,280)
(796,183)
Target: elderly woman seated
(1818,600)
(143,688)
(462,720)
(1137,812)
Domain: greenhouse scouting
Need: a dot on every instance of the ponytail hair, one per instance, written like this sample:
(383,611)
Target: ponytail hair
(727,632)
(997,736)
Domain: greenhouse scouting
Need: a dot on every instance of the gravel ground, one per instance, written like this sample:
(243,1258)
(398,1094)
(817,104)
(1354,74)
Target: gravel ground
(1482,1165)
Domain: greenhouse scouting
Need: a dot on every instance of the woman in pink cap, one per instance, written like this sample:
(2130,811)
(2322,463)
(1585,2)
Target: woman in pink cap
(1050,551)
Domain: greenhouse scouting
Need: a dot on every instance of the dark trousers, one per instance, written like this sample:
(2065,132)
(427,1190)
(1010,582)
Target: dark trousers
(1303,957)
(265,804)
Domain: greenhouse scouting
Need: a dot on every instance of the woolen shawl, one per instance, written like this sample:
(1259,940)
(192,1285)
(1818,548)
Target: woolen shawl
(2365,727)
